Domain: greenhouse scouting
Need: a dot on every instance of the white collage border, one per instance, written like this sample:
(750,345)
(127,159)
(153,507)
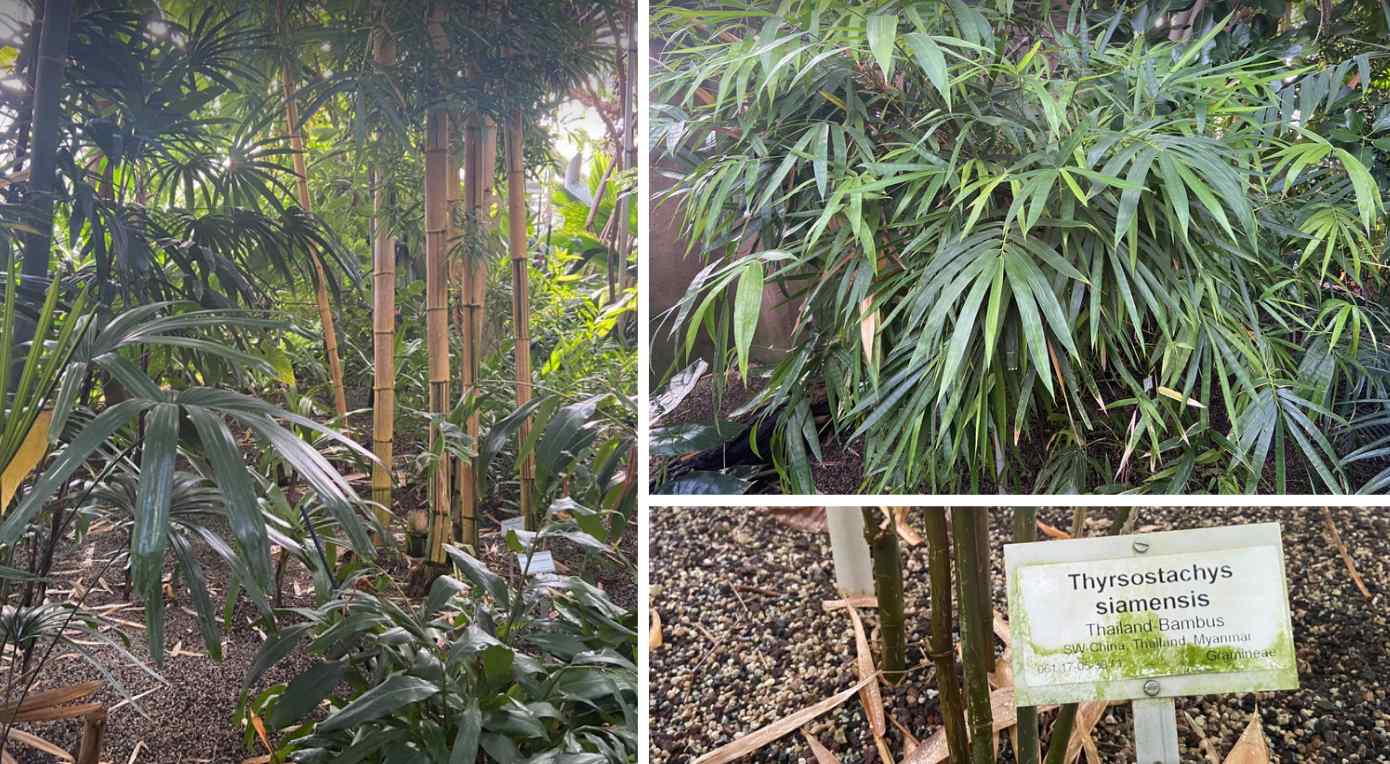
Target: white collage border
(647,503)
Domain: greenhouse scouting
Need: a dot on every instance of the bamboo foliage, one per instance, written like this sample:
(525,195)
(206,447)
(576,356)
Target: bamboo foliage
(330,334)
(383,317)
(437,298)
(521,294)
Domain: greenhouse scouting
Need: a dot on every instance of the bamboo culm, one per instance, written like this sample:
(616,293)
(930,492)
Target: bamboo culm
(977,644)
(383,317)
(521,303)
(942,652)
(888,589)
(330,332)
(48,89)
(1026,530)
(437,299)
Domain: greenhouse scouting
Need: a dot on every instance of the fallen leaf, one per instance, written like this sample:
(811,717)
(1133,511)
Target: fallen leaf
(822,754)
(36,742)
(800,518)
(868,601)
(864,665)
(654,639)
(1251,748)
(1346,557)
(1208,749)
(935,749)
(764,735)
(1087,716)
(1053,533)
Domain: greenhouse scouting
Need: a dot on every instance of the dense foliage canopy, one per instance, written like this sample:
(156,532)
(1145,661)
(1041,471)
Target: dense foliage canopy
(1039,246)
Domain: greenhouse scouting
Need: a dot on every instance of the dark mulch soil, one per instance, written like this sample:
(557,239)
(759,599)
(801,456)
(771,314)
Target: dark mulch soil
(746,640)
(839,473)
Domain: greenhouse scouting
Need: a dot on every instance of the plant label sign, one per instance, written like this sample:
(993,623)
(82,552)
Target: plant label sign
(1156,615)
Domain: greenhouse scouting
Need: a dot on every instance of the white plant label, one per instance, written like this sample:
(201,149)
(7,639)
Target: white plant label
(541,562)
(1152,615)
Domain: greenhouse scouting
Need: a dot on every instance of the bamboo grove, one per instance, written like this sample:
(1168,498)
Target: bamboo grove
(962,632)
(1035,246)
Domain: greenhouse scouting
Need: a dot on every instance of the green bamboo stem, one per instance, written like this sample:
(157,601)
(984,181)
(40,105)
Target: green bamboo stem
(942,654)
(1026,530)
(977,643)
(1061,734)
(888,588)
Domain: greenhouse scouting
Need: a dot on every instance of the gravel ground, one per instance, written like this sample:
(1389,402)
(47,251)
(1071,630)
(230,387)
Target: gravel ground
(746,641)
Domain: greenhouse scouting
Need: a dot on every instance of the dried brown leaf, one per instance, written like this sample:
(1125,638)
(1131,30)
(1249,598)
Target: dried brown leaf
(1208,749)
(761,737)
(801,518)
(864,665)
(1087,716)
(654,639)
(935,750)
(822,754)
(1346,556)
(868,601)
(1053,532)
(1251,748)
(38,743)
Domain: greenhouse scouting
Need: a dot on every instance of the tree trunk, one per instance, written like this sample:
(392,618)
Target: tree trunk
(888,589)
(437,297)
(330,334)
(521,304)
(977,643)
(383,314)
(942,652)
(1026,530)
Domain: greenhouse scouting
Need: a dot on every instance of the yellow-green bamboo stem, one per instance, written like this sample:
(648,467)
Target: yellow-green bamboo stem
(467,530)
(330,334)
(383,317)
(437,297)
(521,301)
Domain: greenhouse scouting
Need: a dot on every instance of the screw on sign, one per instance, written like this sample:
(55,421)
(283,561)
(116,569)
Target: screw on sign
(1148,619)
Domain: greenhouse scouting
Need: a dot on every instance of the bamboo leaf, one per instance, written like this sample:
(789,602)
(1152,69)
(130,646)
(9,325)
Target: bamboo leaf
(748,301)
(882,32)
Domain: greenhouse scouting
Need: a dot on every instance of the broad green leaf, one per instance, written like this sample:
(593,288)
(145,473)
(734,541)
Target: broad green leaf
(305,692)
(397,691)
(150,536)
